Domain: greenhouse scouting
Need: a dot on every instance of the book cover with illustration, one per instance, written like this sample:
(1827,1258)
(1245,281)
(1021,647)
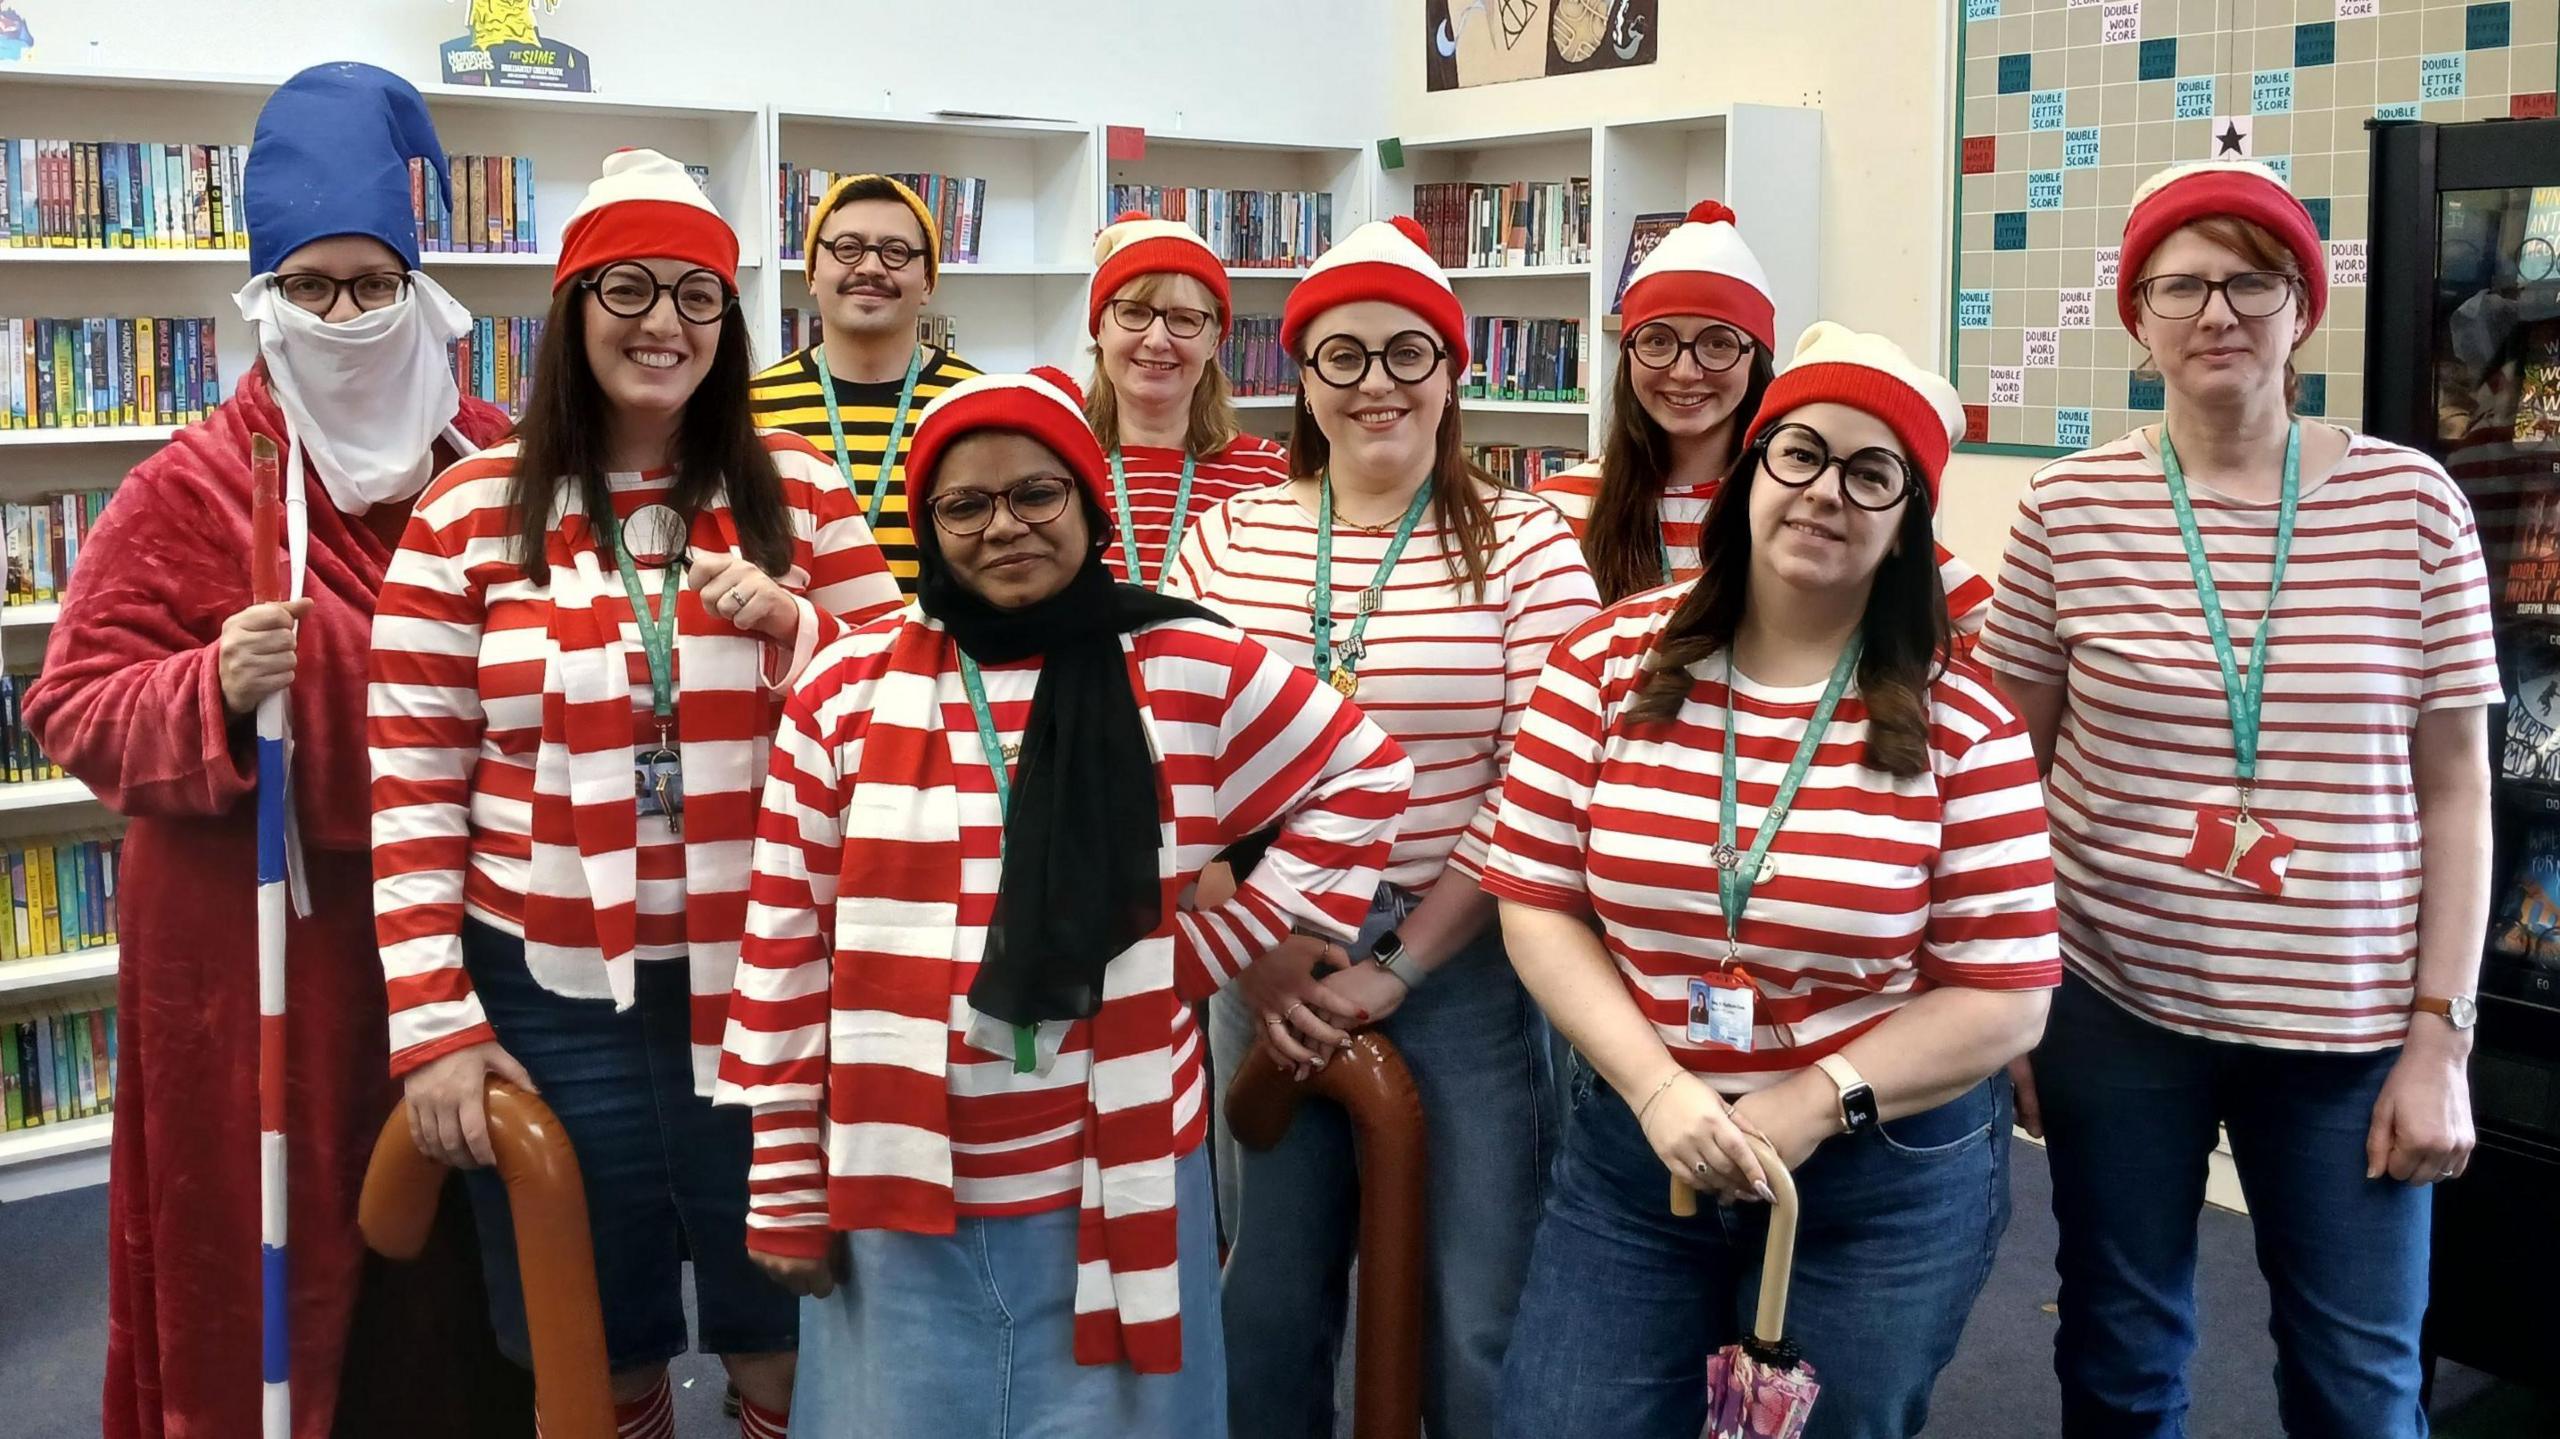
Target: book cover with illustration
(2529,912)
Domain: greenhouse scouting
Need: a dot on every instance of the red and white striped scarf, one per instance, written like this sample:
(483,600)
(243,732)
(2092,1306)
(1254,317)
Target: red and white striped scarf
(897,932)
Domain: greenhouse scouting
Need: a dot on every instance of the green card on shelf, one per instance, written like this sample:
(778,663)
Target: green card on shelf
(1391,153)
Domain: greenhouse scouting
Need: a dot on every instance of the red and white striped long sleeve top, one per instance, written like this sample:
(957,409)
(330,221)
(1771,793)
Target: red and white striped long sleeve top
(1154,476)
(1243,739)
(465,702)
(1883,886)
(2384,615)
(1446,673)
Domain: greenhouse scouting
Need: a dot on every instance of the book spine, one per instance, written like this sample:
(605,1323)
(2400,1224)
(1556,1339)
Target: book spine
(209,396)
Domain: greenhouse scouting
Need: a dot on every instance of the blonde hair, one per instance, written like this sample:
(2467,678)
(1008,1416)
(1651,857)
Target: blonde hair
(1213,424)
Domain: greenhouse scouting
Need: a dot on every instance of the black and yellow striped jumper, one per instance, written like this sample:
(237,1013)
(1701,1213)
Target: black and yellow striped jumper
(786,397)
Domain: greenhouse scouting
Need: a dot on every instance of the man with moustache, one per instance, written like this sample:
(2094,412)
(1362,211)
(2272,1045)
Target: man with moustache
(874,257)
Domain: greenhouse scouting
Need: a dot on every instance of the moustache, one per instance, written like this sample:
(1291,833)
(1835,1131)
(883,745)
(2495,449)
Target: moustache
(868,287)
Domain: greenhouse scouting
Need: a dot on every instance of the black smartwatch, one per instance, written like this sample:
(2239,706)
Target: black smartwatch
(1388,954)
(1858,1112)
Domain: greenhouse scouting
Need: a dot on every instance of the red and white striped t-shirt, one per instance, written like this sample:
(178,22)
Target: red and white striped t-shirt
(1243,738)
(1154,475)
(1883,886)
(1684,517)
(2384,614)
(1446,673)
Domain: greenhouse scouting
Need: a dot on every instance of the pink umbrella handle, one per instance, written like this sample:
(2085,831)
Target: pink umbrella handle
(1778,1261)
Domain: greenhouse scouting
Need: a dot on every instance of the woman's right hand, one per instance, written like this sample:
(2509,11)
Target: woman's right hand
(448,1119)
(1694,1136)
(807,1278)
(1291,1008)
(254,655)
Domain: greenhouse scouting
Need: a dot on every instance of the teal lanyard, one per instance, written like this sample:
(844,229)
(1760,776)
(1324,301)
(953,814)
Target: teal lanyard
(1664,542)
(657,632)
(1026,1037)
(2241,693)
(1129,527)
(897,428)
(1370,598)
(1738,873)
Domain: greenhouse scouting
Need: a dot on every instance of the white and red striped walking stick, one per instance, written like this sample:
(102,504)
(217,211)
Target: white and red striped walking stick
(267,585)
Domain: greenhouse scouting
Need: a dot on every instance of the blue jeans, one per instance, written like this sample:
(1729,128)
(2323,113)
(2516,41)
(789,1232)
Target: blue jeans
(1473,1041)
(1895,1236)
(971,1335)
(2130,1110)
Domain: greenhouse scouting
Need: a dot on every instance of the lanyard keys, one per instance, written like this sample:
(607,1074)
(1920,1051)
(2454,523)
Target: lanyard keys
(657,778)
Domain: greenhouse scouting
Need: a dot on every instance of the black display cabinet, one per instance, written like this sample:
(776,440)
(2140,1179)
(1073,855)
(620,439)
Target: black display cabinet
(2462,359)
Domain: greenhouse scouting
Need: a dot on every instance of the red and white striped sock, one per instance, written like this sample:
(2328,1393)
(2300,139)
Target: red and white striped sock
(757,1422)
(651,1416)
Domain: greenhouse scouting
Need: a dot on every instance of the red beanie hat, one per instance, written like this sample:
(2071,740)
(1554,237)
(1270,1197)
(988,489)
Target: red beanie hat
(1138,244)
(2242,189)
(645,207)
(1386,260)
(1043,404)
(1836,365)
(1703,268)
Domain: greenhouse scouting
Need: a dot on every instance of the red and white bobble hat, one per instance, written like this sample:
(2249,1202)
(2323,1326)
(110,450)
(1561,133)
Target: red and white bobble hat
(1139,244)
(1043,404)
(645,207)
(1387,260)
(2243,189)
(1703,268)
(1837,365)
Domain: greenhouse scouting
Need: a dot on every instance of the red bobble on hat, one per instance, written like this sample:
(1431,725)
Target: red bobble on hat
(1411,229)
(1059,378)
(1043,404)
(1710,212)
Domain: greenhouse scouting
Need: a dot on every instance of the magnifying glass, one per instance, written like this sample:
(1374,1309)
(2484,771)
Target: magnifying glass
(655,535)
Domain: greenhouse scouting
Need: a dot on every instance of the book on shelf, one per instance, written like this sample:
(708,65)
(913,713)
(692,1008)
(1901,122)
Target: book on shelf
(98,371)
(958,204)
(493,361)
(1521,466)
(1255,361)
(62,894)
(21,759)
(801,329)
(1647,232)
(44,538)
(2538,385)
(1537,360)
(1523,224)
(120,195)
(2531,587)
(1251,229)
(2528,920)
(492,209)
(58,1059)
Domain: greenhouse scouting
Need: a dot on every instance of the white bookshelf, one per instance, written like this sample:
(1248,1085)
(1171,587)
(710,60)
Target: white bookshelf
(25,978)
(71,1154)
(35,796)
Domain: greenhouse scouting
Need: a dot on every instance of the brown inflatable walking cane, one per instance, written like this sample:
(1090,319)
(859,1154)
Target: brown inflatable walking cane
(572,1386)
(1375,1090)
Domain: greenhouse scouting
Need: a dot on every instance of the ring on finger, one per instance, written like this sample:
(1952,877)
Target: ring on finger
(1292,1009)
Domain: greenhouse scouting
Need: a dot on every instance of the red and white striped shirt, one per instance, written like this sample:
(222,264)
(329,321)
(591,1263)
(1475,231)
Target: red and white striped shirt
(2384,614)
(1446,673)
(1244,740)
(1883,888)
(1154,475)
(1576,492)
(465,664)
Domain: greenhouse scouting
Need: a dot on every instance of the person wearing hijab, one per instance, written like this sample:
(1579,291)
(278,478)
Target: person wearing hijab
(156,667)
(964,1008)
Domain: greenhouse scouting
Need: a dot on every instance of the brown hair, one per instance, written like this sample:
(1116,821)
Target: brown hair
(1213,412)
(1457,484)
(2261,250)
(1623,542)
(560,441)
(1908,638)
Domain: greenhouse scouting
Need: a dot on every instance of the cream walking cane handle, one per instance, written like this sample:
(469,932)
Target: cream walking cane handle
(1778,1263)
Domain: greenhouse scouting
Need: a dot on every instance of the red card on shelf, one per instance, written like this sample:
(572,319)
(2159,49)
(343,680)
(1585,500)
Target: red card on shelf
(1124,142)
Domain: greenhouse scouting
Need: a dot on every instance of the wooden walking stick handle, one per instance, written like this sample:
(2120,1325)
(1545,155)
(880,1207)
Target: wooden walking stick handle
(1778,1261)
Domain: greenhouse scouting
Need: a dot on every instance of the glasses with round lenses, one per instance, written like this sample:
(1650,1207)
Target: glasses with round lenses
(319,294)
(1035,501)
(1871,479)
(2252,294)
(631,290)
(1657,346)
(894,253)
(1136,315)
(1343,362)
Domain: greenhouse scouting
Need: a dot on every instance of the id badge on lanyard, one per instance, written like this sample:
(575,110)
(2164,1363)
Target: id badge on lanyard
(1721,1008)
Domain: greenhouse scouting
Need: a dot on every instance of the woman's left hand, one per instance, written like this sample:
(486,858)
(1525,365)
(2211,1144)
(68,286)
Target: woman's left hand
(2421,1131)
(1375,991)
(731,587)
(1795,1117)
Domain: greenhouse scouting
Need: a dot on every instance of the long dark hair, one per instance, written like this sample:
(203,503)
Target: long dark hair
(1908,638)
(1623,542)
(1457,484)
(560,440)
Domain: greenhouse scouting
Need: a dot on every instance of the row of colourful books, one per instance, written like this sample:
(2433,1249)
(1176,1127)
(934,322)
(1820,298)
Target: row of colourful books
(22,760)
(44,538)
(58,1060)
(107,370)
(1521,466)
(121,195)
(1258,229)
(1254,359)
(1524,359)
(62,894)
(492,209)
(1509,226)
(802,328)
(494,361)
(958,203)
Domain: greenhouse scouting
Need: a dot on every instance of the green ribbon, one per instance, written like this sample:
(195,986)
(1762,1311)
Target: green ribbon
(2241,693)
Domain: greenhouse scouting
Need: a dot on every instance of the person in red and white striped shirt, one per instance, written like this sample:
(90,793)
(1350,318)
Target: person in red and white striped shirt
(1815,850)
(579,660)
(1158,400)
(2272,902)
(963,1014)
(1412,582)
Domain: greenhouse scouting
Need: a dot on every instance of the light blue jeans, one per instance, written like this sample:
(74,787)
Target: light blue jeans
(971,1335)
(1476,1047)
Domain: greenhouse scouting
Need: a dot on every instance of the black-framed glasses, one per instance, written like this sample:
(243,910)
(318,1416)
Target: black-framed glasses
(1874,478)
(2251,294)
(1343,362)
(1035,501)
(1136,315)
(894,253)
(1717,348)
(377,290)
(629,290)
